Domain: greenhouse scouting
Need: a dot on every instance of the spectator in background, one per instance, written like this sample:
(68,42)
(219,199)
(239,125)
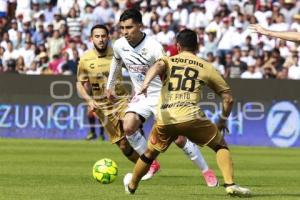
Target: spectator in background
(9,54)
(58,21)
(168,19)
(251,72)
(215,61)
(283,74)
(13,32)
(44,60)
(23,7)
(165,36)
(226,39)
(210,43)
(20,65)
(295,26)
(64,6)
(104,12)
(49,12)
(290,8)
(146,14)
(88,21)
(237,67)
(276,59)
(33,69)
(3,8)
(55,64)
(74,24)
(2,50)
(5,40)
(55,44)
(27,53)
(38,36)
(294,69)
(68,66)
(163,9)
(181,15)
(71,48)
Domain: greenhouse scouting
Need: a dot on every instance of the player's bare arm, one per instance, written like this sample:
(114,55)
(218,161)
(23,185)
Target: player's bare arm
(115,70)
(158,68)
(84,94)
(227,103)
(285,35)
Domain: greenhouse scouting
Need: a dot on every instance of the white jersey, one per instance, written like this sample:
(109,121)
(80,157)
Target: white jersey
(137,60)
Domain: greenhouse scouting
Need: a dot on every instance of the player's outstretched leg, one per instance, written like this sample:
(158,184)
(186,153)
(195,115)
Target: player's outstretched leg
(92,121)
(193,152)
(226,166)
(142,166)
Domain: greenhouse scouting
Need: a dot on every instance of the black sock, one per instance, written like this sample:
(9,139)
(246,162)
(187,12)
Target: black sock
(227,185)
(92,124)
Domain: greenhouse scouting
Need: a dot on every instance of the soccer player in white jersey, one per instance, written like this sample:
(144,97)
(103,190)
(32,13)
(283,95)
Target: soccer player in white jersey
(138,52)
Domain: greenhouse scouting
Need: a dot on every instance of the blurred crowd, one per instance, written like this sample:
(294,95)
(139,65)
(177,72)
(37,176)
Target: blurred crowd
(49,36)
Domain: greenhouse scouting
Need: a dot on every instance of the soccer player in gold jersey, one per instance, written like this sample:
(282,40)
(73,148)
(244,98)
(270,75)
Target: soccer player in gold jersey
(184,75)
(93,69)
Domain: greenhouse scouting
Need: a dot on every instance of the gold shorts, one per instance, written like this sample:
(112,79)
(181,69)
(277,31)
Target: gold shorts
(198,131)
(112,123)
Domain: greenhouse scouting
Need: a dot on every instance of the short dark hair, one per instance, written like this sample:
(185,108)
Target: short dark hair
(133,14)
(188,39)
(100,26)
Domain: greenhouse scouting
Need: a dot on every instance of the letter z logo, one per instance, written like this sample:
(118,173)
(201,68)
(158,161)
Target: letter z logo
(283,124)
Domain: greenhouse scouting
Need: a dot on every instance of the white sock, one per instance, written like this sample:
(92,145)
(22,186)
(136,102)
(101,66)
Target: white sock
(138,142)
(193,152)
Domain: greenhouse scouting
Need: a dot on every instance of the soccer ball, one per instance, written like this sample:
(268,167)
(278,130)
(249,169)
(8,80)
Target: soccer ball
(105,171)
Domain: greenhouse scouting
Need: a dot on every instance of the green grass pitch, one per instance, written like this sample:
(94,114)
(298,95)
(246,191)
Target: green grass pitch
(57,169)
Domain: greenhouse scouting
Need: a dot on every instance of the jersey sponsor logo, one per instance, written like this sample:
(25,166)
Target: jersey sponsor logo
(177,104)
(187,61)
(283,124)
(138,68)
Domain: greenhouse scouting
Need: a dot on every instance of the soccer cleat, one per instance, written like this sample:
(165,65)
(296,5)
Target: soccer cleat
(102,138)
(210,178)
(235,190)
(155,166)
(91,136)
(126,181)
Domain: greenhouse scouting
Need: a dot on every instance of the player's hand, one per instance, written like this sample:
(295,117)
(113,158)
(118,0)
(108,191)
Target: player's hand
(143,90)
(222,126)
(110,95)
(256,28)
(92,104)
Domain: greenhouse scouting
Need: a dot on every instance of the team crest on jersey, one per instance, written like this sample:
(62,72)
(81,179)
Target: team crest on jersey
(144,51)
(92,66)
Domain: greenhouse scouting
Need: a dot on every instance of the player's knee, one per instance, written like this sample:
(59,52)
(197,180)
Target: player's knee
(219,147)
(129,130)
(180,141)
